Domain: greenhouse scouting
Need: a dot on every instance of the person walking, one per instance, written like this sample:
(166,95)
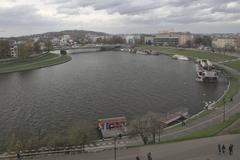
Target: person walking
(219,149)
(137,158)
(149,156)
(230,149)
(223,149)
(18,156)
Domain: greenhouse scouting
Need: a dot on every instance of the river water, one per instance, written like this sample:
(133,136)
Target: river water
(99,85)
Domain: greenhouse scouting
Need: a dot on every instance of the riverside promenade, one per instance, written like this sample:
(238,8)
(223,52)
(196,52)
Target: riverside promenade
(200,149)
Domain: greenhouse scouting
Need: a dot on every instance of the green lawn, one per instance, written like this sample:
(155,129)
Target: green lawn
(191,53)
(211,130)
(231,92)
(233,64)
(33,63)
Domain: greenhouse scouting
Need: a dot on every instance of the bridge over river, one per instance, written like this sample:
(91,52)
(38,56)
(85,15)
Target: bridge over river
(91,48)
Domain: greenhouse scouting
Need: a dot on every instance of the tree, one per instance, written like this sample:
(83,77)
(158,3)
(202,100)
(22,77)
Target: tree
(147,127)
(207,41)
(49,45)
(36,47)
(189,44)
(21,139)
(203,40)
(78,137)
(4,49)
(25,50)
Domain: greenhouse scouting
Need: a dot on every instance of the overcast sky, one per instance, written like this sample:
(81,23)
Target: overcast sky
(23,17)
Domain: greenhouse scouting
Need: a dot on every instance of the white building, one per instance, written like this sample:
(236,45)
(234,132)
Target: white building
(13,49)
(64,40)
(132,39)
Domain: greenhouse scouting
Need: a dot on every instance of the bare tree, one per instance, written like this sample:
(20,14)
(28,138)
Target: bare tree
(148,127)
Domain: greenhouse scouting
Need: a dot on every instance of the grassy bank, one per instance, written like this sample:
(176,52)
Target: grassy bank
(233,64)
(33,63)
(211,130)
(231,92)
(191,53)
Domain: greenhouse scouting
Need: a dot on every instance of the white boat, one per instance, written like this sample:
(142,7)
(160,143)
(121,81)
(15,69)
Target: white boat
(205,64)
(180,57)
(206,71)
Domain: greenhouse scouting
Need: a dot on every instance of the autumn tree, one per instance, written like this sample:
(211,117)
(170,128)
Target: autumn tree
(147,127)
(21,139)
(25,50)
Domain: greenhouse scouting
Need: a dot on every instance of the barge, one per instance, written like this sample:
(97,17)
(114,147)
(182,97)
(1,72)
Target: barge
(206,72)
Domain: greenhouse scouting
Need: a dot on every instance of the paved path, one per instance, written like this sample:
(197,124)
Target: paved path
(201,149)
(232,60)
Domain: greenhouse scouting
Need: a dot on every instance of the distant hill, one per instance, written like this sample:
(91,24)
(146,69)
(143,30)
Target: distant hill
(73,33)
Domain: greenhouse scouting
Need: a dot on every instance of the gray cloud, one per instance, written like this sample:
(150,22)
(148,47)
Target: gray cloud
(23,19)
(121,15)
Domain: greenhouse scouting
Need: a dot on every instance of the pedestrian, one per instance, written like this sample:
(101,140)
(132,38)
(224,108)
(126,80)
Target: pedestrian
(223,149)
(149,156)
(18,156)
(137,158)
(231,99)
(183,123)
(219,149)
(230,149)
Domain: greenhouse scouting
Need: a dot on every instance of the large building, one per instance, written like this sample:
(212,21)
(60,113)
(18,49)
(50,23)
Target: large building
(224,43)
(238,43)
(169,39)
(148,40)
(166,40)
(184,38)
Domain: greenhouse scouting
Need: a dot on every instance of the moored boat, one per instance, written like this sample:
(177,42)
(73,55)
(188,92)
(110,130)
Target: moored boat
(180,57)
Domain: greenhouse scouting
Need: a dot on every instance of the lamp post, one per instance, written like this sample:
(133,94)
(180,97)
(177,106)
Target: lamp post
(115,148)
(224,109)
(115,145)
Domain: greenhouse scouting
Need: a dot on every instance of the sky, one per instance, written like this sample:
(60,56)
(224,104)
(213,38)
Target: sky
(24,17)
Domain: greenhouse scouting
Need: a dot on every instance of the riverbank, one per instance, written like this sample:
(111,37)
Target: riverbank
(231,65)
(191,53)
(42,61)
(224,60)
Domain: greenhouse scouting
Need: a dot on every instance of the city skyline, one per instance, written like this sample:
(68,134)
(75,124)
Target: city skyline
(21,17)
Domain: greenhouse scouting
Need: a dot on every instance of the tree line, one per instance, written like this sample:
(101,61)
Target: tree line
(149,127)
(24,49)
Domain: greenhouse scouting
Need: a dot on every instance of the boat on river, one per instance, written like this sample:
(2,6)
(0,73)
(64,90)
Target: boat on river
(180,57)
(206,72)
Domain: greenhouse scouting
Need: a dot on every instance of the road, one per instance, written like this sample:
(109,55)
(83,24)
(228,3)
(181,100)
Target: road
(200,149)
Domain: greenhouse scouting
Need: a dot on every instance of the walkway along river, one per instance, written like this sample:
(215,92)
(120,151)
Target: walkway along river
(98,85)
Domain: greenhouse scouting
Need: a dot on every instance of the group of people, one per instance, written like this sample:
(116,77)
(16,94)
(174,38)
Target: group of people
(222,148)
(149,156)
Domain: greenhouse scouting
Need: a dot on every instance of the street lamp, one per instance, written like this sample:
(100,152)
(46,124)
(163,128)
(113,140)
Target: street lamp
(224,109)
(115,148)
(115,145)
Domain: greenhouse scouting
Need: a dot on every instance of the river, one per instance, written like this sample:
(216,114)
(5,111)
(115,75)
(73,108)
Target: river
(99,85)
